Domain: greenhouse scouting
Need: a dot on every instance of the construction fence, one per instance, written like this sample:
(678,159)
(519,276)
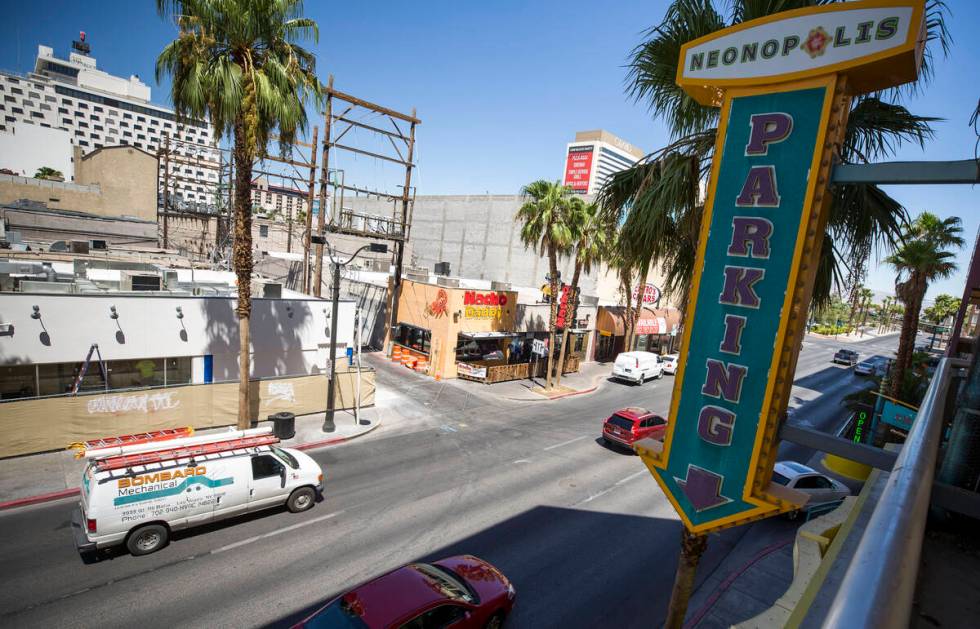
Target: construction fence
(43,424)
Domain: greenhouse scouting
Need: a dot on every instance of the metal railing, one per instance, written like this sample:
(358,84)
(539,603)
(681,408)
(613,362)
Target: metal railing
(879,585)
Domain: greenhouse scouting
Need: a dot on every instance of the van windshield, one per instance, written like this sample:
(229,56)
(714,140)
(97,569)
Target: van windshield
(287,457)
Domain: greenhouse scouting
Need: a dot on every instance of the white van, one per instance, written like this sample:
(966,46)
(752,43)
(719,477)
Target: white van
(139,494)
(637,367)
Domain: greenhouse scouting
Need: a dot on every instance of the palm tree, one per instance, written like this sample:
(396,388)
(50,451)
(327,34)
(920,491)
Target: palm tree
(922,258)
(590,235)
(865,296)
(545,215)
(46,172)
(239,63)
(657,200)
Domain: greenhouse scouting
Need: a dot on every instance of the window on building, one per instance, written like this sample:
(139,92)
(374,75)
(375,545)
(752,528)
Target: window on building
(66,121)
(9,99)
(34,95)
(65,101)
(83,124)
(50,99)
(141,118)
(82,106)
(16,90)
(97,146)
(98,127)
(415,338)
(17,110)
(59,378)
(94,117)
(129,374)
(10,119)
(128,116)
(178,370)
(37,114)
(98,109)
(13,79)
(82,143)
(27,103)
(263,231)
(45,107)
(62,110)
(18,381)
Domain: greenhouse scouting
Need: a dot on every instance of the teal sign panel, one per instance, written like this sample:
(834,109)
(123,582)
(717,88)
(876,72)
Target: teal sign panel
(759,201)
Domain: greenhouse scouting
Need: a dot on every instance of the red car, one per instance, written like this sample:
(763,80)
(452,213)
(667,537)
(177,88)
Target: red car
(461,591)
(627,425)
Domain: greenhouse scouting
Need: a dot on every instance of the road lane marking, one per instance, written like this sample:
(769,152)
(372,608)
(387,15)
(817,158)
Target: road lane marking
(285,529)
(565,443)
(522,461)
(605,491)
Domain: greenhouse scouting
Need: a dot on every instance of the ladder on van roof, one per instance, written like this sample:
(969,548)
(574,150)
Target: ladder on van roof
(182,452)
(131,440)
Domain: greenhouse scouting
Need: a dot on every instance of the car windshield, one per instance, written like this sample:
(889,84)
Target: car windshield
(779,478)
(344,613)
(622,422)
(448,583)
(287,457)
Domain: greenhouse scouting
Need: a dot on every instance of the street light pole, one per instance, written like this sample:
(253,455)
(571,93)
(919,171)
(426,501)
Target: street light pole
(328,420)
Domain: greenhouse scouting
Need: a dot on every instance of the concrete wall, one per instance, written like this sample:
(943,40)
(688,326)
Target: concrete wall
(289,336)
(476,234)
(25,148)
(127,177)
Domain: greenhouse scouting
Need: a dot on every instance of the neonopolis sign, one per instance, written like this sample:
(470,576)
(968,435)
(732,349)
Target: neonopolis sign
(874,35)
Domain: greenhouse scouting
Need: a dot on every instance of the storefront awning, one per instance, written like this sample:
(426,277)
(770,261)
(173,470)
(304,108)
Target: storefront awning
(476,336)
(611,321)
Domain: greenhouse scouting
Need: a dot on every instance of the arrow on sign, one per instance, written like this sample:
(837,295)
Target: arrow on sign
(702,488)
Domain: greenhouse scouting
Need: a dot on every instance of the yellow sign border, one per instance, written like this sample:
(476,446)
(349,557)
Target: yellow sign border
(771,502)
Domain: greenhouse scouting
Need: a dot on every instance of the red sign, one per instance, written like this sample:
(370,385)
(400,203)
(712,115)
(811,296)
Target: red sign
(566,307)
(651,294)
(473,298)
(654,325)
(578,168)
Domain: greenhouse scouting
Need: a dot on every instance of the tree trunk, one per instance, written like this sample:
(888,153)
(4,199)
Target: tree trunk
(555,289)
(910,325)
(640,292)
(625,281)
(242,259)
(569,310)
(692,547)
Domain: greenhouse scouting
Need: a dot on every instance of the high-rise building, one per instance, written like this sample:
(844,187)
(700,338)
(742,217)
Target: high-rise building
(98,109)
(595,156)
(281,200)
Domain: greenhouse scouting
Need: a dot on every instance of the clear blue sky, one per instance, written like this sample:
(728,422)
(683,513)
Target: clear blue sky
(501,86)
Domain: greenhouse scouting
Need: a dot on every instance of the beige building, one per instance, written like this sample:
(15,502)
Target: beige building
(118,181)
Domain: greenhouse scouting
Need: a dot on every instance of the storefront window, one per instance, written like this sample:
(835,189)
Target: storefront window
(642,343)
(468,350)
(17,381)
(59,378)
(413,338)
(178,370)
(579,343)
(128,374)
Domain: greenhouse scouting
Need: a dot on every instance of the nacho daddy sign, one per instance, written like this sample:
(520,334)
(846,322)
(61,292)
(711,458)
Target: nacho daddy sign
(763,225)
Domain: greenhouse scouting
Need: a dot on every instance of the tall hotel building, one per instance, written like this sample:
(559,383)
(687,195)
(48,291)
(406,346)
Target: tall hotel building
(95,109)
(595,156)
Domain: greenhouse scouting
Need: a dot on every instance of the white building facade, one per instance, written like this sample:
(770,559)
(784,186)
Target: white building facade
(594,157)
(277,200)
(98,109)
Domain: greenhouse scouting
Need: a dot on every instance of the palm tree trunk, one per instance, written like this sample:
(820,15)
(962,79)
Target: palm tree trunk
(906,343)
(640,292)
(242,259)
(555,288)
(569,308)
(625,281)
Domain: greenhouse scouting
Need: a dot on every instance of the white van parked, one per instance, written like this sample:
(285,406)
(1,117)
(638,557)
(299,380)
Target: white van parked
(637,367)
(137,494)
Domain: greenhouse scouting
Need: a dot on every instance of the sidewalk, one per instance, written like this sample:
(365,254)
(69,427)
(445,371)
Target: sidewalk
(589,378)
(56,475)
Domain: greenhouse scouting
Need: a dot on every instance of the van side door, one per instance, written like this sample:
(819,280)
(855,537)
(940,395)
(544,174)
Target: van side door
(266,483)
(232,499)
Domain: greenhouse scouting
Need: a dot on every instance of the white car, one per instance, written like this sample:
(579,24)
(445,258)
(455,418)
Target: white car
(670,363)
(822,489)
(637,367)
(866,367)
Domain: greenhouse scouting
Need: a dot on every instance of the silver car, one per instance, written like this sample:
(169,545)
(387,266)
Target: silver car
(822,489)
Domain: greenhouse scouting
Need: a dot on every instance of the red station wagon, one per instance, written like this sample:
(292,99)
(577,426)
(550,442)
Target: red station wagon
(461,591)
(627,425)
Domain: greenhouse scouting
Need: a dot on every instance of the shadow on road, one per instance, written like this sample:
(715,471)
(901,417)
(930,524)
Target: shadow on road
(574,568)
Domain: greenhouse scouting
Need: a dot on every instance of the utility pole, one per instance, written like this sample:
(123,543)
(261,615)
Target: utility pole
(324,180)
(309,215)
(166,186)
(328,420)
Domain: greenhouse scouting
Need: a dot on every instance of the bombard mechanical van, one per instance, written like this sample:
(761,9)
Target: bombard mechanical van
(137,489)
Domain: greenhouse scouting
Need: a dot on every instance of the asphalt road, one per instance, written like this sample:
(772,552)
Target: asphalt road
(583,531)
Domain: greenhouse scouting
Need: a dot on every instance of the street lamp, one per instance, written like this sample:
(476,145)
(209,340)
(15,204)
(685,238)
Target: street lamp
(328,423)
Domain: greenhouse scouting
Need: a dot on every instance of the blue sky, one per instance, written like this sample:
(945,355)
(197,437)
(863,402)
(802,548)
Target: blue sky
(500,86)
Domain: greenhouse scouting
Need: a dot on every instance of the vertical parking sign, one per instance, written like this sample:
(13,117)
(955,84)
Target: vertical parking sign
(784,84)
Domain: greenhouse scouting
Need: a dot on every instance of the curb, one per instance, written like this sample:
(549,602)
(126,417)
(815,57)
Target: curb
(563,395)
(68,493)
(313,445)
(32,500)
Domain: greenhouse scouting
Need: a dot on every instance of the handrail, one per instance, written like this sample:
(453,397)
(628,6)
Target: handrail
(879,585)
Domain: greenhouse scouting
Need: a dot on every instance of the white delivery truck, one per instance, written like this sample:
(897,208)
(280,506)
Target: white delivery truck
(137,489)
(637,367)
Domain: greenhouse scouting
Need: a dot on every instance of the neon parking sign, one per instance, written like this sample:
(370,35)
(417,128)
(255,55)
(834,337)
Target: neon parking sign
(764,221)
